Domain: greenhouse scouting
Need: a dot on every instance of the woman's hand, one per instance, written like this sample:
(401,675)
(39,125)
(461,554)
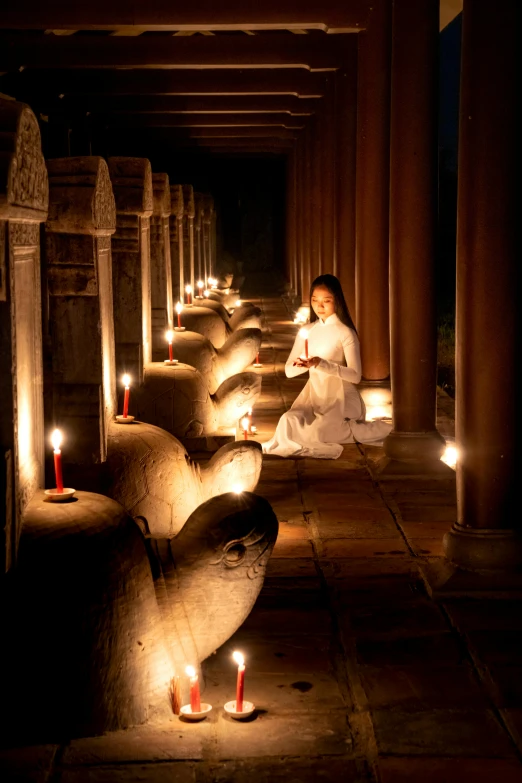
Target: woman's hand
(313,361)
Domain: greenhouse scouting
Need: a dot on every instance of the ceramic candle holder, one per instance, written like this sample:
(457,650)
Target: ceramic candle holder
(58,497)
(248,709)
(124,419)
(186,712)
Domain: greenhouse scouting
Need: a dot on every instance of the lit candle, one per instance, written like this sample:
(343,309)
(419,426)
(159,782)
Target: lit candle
(195,701)
(238,303)
(206,293)
(188,291)
(304,334)
(239,659)
(249,419)
(56,440)
(170,335)
(126,382)
(201,285)
(257,357)
(245,427)
(179,308)
(237,489)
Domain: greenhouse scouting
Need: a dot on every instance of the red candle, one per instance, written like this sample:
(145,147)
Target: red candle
(195,700)
(245,427)
(169,339)
(240,680)
(56,440)
(126,383)
(188,290)
(179,308)
(304,334)
(257,358)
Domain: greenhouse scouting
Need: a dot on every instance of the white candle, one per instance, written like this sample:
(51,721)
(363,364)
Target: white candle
(304,334)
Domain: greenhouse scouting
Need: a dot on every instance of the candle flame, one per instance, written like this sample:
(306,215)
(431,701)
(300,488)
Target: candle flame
(56,439)
(244,422)
(237,488)
(239,658)
(250,411)
(126,381)
(303,333)
(200,283)
(169,336)
(206,293)
(238,303)
(450,455)
(188,289)
(179,307)
(190,671)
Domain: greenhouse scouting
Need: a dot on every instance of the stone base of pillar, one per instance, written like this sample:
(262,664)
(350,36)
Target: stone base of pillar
(394,469)
(414,446)
(446,580)
(478,549)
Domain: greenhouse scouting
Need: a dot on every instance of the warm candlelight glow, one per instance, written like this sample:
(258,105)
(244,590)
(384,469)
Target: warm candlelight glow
(188,289)
(178,308)
(200,283)
(302,315)
(450,455)
(237,488)
(245,423)
(126,380)
(56,440)
(190,671)
(239,658)
(169,336)
(303,333)
(238,303)
(206,293)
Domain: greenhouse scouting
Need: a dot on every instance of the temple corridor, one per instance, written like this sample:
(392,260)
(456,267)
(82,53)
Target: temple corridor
(356,673)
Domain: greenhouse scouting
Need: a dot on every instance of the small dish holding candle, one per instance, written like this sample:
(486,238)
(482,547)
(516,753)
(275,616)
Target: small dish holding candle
(231,709)
(257,363)
(58,497)
(186,711)
(124,419)
(59,493)
(171,360)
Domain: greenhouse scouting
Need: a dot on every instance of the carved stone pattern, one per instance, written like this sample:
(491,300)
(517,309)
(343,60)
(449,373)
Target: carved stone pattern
(24,233)
(104,242)
(104,204)
(28,185)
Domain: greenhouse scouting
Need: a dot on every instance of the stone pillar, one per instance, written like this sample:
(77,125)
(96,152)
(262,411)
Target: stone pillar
(189,213)
(207,231)
(176,242)
(372,196)
(132,186)
(160,263)
(413,230)
(487,534)
(23,206)
(346,97)
(80,359)
(307,181)
(299,249)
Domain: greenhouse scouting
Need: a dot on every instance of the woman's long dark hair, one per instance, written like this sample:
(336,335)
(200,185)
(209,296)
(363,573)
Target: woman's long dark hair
(341,308)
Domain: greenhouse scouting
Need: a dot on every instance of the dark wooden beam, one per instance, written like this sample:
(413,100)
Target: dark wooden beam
(188,104)
(260,131)
(315,53)
(55,82)
(342,15)
(199,120)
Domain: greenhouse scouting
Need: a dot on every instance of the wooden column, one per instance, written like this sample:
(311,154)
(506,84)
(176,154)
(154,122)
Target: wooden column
(413,229)
(291,255)
(372,193)
(488,534)
(345,100)
(328,129)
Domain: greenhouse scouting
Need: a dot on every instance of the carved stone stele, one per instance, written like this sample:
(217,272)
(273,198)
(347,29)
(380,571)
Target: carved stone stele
(132,184)
(24,190)
(81,197)
(162,206)
(23,206)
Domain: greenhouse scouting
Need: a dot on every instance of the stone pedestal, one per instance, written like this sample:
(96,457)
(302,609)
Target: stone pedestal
(23,206)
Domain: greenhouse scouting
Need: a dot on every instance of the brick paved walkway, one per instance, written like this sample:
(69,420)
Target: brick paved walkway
(356,673)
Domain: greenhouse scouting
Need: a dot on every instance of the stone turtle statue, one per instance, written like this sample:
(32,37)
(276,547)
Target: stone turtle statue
(149,472)
(178,400)
(105,619)
(215,364)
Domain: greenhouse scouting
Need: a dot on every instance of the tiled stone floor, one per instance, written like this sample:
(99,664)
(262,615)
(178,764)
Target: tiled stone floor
(356,673)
